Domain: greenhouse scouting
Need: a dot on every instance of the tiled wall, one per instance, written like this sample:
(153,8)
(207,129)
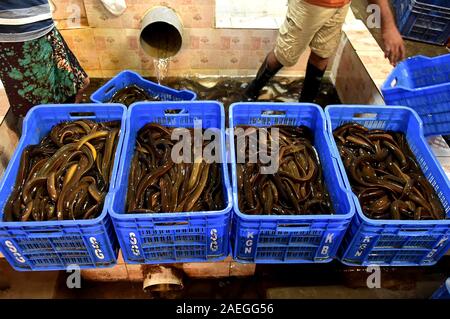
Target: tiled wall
(109,44)
(68,12)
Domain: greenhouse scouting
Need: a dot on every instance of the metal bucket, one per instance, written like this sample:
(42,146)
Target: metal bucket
(161,33)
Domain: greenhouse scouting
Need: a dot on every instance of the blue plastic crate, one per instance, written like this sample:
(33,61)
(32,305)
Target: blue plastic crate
(126,78)
(423,84)
(425,20)
(289,239)
(170,237)
(393,242)
(443,292)
(54,245)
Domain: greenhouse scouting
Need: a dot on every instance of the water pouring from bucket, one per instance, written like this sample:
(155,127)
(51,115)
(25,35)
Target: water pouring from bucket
(161,37)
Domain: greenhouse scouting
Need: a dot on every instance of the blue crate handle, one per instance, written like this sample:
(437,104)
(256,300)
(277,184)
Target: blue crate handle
(391,83)
(373,113)
(45,233)
(413,232)
(82,115)
(109,89)
(270,113)
(293,227)
(171,226)
(182,112)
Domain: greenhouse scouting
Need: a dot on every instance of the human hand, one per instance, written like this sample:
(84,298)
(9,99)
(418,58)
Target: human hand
(394,47)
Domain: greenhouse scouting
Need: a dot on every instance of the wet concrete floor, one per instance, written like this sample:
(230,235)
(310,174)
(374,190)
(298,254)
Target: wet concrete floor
(331,280)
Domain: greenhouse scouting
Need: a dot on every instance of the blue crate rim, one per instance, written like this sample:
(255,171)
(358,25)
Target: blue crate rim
(407,37)
(430,5)
(52,268)
(289,261)
(281,218)
(124,72)
(447,284)
(416,5)
(214,213)
(16,156)
(360,214)
(395,264)
(387,84)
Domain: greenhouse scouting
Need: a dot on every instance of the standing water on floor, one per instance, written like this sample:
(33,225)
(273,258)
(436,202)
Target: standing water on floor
(161,68)
(229,90)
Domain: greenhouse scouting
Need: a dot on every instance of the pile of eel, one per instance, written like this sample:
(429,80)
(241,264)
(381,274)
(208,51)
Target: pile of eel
(131,94)
(158,185)
(385,175)
(66,176)
(297,187)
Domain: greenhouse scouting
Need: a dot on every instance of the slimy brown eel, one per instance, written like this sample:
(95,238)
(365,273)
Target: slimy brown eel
(66,175)
(156,184)
(385,175)
(296,188)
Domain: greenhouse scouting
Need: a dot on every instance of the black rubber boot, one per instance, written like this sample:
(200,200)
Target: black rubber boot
(262,77)
(311,85)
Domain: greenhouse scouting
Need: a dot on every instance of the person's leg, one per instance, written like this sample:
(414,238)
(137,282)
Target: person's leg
(313,78)
(268,69)
(65,57)
(323,46)
(302,22)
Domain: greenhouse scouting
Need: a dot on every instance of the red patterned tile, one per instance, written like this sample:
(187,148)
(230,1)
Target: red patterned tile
(195,42)
(256,43)
(225,43)
(100,42)
(132,42)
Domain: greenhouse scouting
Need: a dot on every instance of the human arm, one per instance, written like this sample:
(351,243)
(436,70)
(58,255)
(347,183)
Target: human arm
(394,47)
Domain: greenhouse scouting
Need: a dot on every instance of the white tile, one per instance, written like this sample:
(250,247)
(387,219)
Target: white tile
(250,14)
(223,22)
(279,21)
